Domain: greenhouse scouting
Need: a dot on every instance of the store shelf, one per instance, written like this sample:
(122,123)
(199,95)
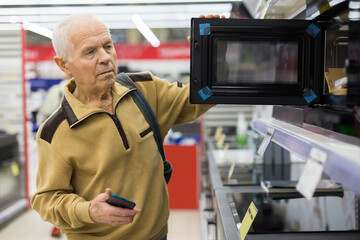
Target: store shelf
(343,156)
(11,210)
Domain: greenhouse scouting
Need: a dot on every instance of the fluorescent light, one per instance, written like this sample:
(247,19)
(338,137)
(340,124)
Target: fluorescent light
(130,24)
(37,29)
(120,18)
(119,9)
(101,2)
(31,26)
(145,31)
(117,16)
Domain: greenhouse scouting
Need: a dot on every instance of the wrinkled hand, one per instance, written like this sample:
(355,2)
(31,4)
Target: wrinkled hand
(102,212)
(207,16)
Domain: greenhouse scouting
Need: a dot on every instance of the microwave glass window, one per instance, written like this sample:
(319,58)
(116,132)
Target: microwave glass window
(256,62)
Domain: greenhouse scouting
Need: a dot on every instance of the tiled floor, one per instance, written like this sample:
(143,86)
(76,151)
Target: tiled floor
(183,225)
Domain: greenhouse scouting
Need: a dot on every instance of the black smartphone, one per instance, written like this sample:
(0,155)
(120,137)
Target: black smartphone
(118,201)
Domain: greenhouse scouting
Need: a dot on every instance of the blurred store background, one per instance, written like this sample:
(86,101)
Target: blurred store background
(148,36)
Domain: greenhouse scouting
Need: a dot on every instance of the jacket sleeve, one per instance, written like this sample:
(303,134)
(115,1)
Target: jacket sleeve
(172,106)
(54,199)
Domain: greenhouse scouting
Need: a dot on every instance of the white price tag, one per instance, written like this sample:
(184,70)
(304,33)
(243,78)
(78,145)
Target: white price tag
(312,172)
(265,141)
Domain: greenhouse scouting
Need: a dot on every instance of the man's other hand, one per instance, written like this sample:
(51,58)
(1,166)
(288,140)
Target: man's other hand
(102,212)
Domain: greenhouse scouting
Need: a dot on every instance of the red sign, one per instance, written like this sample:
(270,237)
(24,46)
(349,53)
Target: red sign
(34,53)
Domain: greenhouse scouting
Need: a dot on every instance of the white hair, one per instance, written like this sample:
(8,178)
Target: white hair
(61,34)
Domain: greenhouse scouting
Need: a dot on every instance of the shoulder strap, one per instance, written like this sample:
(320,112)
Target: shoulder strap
(145,108)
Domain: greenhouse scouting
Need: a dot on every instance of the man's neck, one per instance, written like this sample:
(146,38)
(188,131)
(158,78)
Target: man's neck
(102,100)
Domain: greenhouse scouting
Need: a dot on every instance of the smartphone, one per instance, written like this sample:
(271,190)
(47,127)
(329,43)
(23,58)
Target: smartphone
(118,201)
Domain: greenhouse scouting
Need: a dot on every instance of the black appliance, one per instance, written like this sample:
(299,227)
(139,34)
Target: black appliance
(274,61)
(252,61)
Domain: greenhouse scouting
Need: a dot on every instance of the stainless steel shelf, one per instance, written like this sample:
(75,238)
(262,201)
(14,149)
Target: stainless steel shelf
(227,225)
(343,157)
(11,210)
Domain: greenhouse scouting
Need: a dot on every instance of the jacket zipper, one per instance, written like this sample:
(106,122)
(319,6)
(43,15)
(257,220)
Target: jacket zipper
(120,129)
(116,121)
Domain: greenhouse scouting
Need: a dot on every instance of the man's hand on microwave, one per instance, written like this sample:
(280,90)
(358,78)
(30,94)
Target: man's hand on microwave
(207,16)
(222,73)
(223,67)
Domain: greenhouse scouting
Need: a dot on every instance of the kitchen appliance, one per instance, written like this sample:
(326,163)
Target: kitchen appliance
(277,61)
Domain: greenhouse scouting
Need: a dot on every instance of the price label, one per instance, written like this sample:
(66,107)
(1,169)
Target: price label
(15,169)
(265,141)
(220,142)
(231,171)
(312,172)
(247,220)
(218,132)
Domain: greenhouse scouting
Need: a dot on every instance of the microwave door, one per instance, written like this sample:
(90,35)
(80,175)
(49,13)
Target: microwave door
(253,62)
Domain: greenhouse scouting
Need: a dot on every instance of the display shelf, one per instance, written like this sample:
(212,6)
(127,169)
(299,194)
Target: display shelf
(343,157)
(13,109)
(225,201)
(8,212)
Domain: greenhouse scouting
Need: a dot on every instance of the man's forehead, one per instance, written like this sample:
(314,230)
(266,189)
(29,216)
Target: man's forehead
(90,36)
(96,39)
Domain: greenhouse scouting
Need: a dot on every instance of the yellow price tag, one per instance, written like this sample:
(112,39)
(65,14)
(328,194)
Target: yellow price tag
(15,169)
(11,129)
(325,7)
(218,132)
(220,142)
(247,220)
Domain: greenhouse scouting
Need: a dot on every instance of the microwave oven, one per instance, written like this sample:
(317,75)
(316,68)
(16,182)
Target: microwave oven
(273,61)
(254,61)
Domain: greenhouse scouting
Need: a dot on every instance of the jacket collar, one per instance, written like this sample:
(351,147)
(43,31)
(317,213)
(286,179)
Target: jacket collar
(75,111)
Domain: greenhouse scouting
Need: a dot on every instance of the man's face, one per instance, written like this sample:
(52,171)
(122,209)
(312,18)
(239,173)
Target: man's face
(93,60)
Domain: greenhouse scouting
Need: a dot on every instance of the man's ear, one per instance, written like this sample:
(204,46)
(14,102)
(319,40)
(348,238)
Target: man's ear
(63,65)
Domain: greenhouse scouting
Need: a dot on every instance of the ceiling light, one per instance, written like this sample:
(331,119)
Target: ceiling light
(101,2)
(38,29)
(129,9)
(145,31)
(115,16)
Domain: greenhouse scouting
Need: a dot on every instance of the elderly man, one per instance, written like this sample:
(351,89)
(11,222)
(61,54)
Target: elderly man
(98,142)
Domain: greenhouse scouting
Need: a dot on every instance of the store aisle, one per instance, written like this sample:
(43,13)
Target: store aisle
(183,224)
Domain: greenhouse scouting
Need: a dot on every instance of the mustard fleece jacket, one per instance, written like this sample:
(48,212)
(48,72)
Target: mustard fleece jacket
(83,150)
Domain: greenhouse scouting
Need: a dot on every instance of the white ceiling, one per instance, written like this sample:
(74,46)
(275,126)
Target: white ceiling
(41,16)
(115,14)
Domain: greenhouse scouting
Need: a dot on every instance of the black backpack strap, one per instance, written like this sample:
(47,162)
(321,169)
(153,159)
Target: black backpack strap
(149,115)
